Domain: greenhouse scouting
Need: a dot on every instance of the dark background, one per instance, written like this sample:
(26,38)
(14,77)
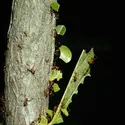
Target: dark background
(89,24)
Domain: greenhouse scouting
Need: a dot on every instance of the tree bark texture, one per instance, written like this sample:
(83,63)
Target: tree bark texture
(29,57)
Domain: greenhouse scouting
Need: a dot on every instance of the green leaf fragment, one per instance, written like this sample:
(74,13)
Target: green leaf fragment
(56,87)
(50,113)
(55,74)
(65,54)
(76,92)
(58,119)
(55,6)
(60,30)
(43,121)
(65,112)
(59,75)
(87,74)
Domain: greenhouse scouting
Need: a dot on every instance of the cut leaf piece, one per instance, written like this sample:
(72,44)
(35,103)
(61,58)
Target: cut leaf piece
(43,121)
(50,113)
(55,74)
(55,6)
(65,112)
(60,30)
(56,87)
(65,54)
(59,75)
(57,120)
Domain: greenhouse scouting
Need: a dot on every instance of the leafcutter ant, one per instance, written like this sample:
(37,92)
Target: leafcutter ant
(48,118)
(49,90)
(62,105)
(51,87)
(9,113)
(2,104)
(55,109)
(32,123)
(51,12)
(25,103)
(32,70)
(46,92)
(54,12)
(56,67)
(75,76)
(57,51)
(54,35)
(92,61)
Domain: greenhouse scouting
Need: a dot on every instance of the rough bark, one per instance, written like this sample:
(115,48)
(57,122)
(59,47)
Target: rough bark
(29,58)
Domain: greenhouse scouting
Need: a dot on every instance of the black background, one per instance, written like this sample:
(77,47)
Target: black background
(89,24)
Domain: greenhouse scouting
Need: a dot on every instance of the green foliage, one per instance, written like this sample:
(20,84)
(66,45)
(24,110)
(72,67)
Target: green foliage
(50,113)
(81,71)
(43,121)
(65,54)
(58,119)
(60,29)
(55,74)
(56,87)
(55,6)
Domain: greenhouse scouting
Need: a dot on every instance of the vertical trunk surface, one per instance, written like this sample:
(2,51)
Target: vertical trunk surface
(29,59)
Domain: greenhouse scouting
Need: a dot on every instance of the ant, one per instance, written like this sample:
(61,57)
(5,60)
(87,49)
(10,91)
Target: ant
(62,105)
(48,118)
(32,70)
(56,67)
(51,87)
(92,60)
(2,104)
(54,12)
(46,92)
(25,103)
(55,109)
(49,90)
(54,35)
(32,123)
(75,77)
(57,51)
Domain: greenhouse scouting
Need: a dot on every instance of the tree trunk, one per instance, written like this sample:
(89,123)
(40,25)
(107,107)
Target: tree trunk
(29,58)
